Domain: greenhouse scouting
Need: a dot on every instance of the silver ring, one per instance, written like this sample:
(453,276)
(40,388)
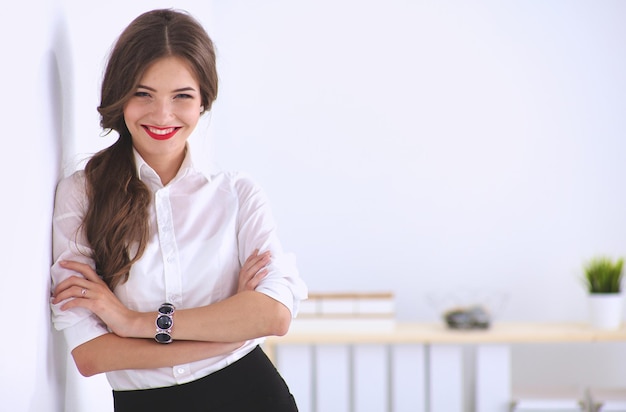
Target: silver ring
(83,292)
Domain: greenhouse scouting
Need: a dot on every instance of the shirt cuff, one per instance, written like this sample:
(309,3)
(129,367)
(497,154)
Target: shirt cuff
(281,293)
(84,331)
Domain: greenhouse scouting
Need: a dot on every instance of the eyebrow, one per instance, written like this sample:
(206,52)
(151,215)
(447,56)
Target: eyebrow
(182,89)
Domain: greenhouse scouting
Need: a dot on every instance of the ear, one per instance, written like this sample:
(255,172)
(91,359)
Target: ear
(201,109)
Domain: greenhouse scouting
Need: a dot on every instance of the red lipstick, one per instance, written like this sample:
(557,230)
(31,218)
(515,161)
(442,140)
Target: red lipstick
(160,133)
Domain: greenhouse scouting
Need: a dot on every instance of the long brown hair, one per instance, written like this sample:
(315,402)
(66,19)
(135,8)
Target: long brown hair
(116,221)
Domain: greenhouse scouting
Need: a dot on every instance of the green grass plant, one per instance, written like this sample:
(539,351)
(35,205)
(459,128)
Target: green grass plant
(603,275)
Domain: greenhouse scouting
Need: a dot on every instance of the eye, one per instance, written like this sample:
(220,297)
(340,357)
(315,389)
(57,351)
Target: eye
(183,96)
(142,94)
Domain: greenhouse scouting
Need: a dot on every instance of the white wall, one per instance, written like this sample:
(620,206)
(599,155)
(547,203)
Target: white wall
(413,146)
(429,147)
(32,356)
(419,145)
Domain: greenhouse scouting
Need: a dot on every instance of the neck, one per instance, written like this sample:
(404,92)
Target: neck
(166,166)
(167,169)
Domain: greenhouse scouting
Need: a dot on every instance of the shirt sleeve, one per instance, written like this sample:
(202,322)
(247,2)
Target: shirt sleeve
(78,325)
(257,230)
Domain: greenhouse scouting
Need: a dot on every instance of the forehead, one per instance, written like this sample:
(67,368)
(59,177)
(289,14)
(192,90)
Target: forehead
(169,71)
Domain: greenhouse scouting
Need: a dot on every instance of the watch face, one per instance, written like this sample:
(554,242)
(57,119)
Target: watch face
(166,309)
(164,322)
(163,338)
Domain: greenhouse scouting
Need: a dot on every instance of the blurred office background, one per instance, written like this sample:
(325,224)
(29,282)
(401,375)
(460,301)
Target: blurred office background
(420,147)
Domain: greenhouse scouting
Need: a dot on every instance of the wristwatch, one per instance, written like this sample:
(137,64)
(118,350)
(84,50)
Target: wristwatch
(164,323)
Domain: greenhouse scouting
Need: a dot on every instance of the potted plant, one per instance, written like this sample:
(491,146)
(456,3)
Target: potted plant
(603,278)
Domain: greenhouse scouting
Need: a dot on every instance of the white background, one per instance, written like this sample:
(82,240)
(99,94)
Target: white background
(420,147)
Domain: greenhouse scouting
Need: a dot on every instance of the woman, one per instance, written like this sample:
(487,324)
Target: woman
(151,281)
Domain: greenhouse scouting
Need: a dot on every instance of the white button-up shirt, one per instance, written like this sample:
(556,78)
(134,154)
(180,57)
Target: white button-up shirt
(201,231)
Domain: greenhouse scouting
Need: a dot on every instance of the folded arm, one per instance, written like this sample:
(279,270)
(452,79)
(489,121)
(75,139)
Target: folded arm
(246,315)
(198,333)
(110,352)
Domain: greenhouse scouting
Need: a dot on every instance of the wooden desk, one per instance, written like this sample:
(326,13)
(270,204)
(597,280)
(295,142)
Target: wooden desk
(437,333)
(443,357)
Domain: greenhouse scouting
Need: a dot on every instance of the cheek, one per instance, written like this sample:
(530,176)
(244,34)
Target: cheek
(131,114)
(192,115)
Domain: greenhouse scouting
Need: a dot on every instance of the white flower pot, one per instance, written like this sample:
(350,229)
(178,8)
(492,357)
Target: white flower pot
(605,310)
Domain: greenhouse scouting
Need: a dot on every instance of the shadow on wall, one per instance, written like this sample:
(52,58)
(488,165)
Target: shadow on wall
(60,388)
(56,75)
(62,87)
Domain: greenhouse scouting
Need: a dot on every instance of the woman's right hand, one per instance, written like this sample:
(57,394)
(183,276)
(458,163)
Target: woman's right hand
(253,271)
(89,291)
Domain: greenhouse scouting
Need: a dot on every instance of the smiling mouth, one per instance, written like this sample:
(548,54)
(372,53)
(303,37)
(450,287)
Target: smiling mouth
(161,133)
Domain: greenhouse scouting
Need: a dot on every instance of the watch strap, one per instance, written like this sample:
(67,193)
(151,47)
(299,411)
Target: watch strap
(164,323)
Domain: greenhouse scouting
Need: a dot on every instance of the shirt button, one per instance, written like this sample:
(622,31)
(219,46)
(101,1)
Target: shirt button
(170,259)
(180,371)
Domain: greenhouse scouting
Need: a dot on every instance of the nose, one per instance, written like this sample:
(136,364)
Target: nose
(162,111)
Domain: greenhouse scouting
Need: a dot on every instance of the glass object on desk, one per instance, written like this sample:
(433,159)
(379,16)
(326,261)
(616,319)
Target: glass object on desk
(467,308)
(473,317)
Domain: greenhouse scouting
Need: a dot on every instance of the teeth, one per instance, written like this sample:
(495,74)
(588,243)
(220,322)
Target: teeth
(161,131)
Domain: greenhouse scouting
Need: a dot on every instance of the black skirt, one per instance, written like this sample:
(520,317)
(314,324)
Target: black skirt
(249,384)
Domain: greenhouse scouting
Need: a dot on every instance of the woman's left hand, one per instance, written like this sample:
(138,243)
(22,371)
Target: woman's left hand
(92,293)
(253,271)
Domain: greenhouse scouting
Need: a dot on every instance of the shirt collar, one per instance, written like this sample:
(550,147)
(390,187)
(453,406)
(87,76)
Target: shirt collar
(147,173)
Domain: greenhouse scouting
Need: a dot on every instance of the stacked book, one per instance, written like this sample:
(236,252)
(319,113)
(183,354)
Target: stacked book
(544,399)
(346,312)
